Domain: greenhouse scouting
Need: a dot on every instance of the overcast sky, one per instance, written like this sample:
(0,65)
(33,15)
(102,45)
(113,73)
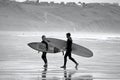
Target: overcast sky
(87,1)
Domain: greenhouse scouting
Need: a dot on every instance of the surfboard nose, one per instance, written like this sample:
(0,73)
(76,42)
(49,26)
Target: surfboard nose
(91,54)
(30,44)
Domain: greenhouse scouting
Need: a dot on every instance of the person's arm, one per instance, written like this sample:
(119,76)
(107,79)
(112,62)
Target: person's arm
(46,46)
(67,43)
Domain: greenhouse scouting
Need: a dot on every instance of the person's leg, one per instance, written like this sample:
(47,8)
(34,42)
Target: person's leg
(44,58)
(65,60)
(72,59)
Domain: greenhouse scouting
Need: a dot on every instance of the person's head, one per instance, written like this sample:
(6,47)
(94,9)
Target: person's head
(43,37)
(68,35)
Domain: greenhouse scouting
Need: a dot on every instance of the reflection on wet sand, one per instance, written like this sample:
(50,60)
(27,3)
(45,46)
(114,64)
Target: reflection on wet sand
(19,62)
(68,75)
(44,72)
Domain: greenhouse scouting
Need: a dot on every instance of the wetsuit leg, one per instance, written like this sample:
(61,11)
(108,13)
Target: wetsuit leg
(70,57)
(65,58)
(44,57)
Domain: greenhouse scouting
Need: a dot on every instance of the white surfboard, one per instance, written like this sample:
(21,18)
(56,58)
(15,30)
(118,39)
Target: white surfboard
(76,49)
(41,47)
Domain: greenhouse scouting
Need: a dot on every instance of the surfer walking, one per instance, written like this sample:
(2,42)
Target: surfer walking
(68,51)
(44,41)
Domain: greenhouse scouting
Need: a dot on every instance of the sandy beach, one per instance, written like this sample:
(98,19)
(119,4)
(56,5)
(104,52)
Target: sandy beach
(95,26)
(20,62)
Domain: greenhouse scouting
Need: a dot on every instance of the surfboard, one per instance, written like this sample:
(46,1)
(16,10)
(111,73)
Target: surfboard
(42,47)
(76,49)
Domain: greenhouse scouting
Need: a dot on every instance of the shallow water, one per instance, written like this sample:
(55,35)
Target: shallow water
(20,62)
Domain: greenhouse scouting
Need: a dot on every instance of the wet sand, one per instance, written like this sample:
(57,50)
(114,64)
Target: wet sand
(19,62)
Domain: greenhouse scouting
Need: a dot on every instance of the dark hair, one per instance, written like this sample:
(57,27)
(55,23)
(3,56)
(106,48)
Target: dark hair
(68,34)
(43,36)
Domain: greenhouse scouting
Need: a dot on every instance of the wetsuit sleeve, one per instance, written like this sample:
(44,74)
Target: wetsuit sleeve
(69,44)
(46,46)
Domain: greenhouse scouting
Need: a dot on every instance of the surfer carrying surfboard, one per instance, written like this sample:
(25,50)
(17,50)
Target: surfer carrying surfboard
(68,51)
(44,53)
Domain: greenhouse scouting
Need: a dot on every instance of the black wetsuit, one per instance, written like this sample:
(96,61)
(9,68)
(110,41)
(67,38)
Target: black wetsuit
(44,53)
(68,51)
